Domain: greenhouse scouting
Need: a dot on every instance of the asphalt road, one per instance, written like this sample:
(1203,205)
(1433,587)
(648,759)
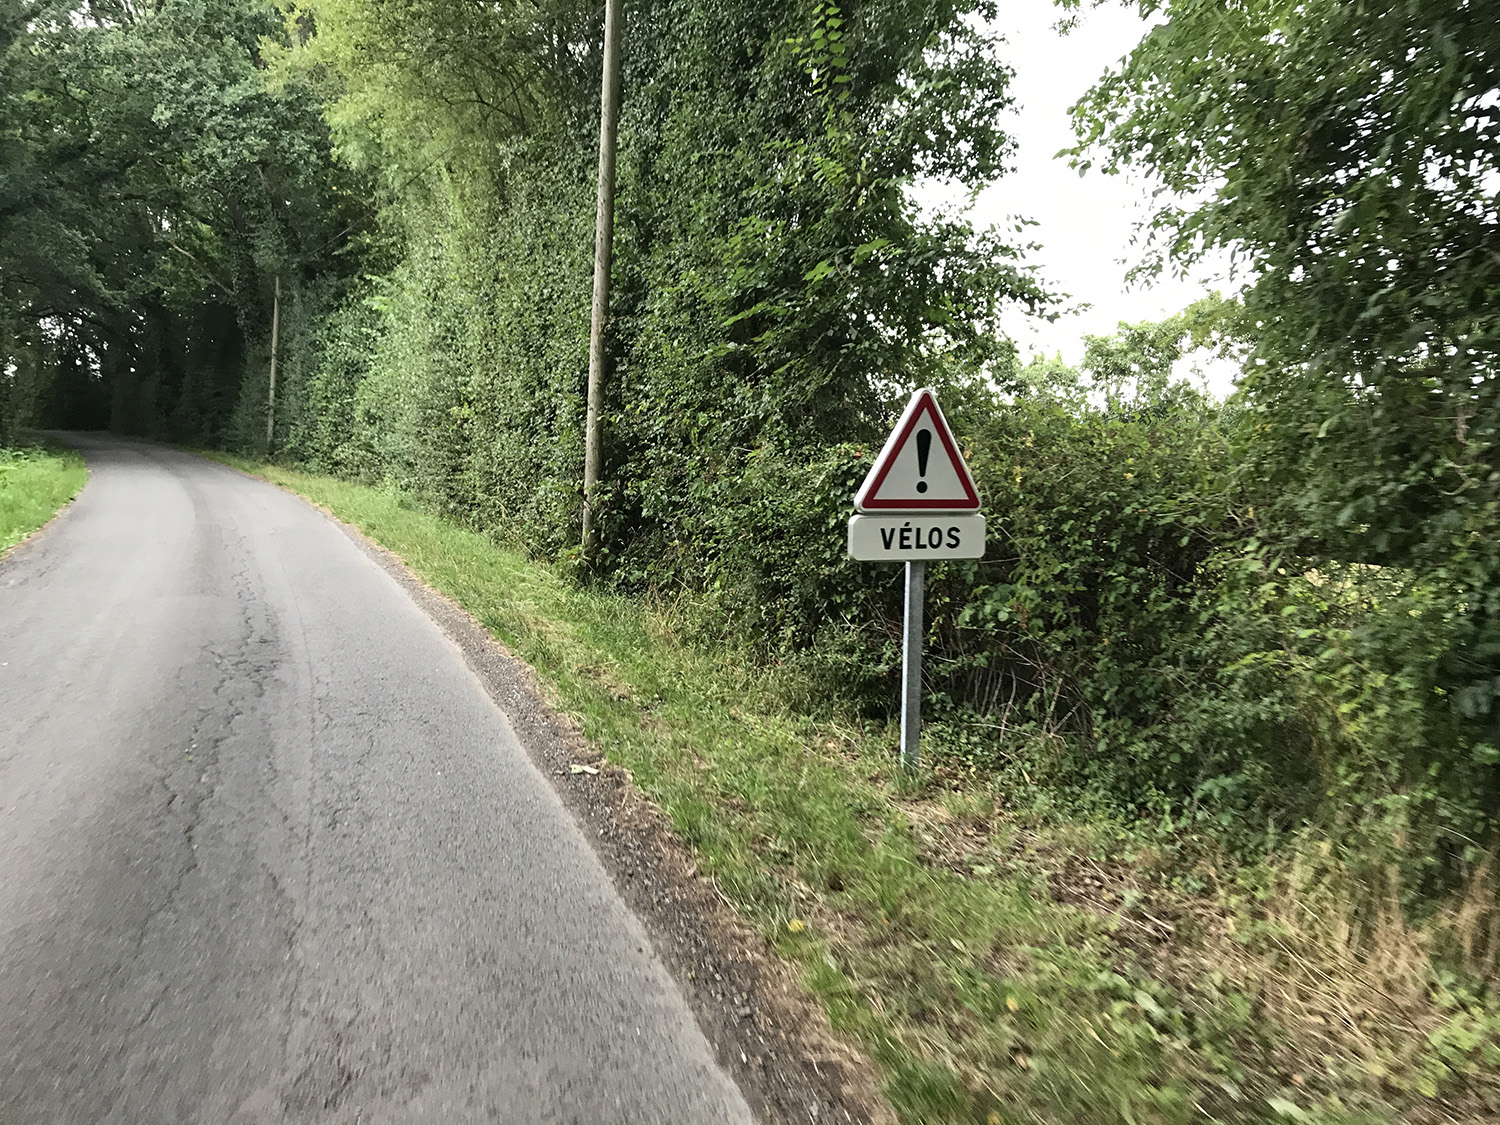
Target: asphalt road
(268,851)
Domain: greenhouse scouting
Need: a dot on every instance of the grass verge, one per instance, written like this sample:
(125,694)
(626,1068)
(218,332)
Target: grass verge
(35,481)
(995,970)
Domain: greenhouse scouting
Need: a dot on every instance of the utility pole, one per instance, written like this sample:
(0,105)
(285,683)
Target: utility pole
(275,341)
(604,231)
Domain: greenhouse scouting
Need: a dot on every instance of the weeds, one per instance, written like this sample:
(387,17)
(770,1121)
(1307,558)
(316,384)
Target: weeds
(34,483)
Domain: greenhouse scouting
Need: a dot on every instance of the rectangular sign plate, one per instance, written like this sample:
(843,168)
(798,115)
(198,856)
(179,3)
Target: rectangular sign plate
(916,538)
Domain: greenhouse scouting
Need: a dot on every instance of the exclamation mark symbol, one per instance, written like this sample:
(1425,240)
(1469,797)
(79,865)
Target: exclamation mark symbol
(924,444)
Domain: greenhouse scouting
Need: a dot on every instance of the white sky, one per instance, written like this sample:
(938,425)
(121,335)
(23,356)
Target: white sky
(1087,223)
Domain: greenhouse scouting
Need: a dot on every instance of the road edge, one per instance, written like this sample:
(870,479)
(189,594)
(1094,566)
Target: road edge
(766,1031)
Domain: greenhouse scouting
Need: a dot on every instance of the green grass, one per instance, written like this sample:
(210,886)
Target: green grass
(994,971)
(34,483)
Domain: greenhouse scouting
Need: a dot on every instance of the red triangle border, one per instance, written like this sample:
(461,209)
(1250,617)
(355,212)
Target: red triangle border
(927,403)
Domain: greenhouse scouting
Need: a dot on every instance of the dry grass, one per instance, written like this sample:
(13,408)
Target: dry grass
(1360,1005)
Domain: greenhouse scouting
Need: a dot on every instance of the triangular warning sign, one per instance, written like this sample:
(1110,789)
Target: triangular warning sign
(920,468)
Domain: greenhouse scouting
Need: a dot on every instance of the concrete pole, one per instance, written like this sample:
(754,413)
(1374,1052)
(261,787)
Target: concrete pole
(604,230)
(911,665)
(275,346)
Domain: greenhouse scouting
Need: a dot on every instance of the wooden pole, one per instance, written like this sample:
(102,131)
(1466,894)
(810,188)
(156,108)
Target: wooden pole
(604,229)
(275,342)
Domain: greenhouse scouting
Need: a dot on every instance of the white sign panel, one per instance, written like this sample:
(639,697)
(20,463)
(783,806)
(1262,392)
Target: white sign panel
(916,538)
(920,468)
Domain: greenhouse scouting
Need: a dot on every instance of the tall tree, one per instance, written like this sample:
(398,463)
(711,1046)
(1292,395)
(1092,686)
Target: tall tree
(1348,153)
(775,288)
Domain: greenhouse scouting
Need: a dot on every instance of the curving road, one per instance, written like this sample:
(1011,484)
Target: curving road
(268,852)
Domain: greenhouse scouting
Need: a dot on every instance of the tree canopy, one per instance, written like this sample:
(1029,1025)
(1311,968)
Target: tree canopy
(153,188)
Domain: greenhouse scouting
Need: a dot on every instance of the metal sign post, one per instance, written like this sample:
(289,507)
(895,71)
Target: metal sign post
(911,665)
(917,504)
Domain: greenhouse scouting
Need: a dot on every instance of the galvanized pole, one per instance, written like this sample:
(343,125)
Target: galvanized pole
(604,230)
(275,343)
(911,665)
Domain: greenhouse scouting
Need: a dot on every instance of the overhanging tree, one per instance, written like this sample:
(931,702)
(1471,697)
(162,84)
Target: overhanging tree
(155,186)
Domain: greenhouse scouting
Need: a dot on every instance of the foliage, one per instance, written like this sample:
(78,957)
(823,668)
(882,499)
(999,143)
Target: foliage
(1348,153)
(774,287)
(154,188)
(1357,183)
